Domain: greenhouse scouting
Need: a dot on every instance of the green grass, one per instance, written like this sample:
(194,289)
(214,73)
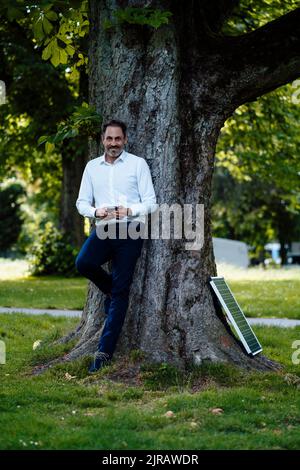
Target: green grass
(279,299)
(265,292)
(261,411)
(260,293)
(19,289)
(44,292)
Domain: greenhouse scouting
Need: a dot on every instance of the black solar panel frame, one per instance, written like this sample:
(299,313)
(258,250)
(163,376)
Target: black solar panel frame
(231,318)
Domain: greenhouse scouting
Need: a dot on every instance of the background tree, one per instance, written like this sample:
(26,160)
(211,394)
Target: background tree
(176,86)
(256,195)
(10,219)
(39,97)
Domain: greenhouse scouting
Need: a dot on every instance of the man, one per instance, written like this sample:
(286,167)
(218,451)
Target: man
(117,190)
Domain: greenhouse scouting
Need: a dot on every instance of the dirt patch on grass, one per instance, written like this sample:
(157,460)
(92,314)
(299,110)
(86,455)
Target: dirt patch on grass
(126,373)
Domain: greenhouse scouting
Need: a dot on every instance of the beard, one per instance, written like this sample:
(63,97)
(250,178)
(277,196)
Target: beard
(114,152)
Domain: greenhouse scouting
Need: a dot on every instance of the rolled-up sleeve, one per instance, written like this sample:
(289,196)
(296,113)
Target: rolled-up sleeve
(85,198)
(146,191)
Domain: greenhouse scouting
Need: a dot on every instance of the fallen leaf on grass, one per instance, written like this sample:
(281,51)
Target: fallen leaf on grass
(90,413)
(36,344)
(216,411)
(292,379)
(70,377)
(169,414)
(193,424)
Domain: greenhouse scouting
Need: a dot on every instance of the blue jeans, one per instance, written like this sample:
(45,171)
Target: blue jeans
(124,255)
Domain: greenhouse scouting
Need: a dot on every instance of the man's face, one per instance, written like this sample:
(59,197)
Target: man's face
(113,141)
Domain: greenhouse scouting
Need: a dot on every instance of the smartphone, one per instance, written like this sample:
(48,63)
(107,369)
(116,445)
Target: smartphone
(111,208)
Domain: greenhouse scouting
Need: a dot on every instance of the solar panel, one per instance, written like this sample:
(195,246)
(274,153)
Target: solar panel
(235,315)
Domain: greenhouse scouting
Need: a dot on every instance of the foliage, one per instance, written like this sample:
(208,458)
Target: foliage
(252,14)
(256,183)
(53,253)
(237,212)
(10,214)
(36,212)
(57,26)
(84,121)
(30,80)
(263,138)
(140,16)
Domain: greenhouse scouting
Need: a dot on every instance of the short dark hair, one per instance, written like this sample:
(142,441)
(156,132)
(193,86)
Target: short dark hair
(115,123)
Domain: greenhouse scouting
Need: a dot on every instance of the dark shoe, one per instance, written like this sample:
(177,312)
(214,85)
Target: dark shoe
(101,359)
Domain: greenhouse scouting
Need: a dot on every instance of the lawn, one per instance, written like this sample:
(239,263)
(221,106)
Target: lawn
(260,293)
(44,292)
(19,289)
(76,411)
(265,292)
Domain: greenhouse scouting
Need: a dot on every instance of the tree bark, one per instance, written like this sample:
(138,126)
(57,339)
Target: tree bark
(168,85)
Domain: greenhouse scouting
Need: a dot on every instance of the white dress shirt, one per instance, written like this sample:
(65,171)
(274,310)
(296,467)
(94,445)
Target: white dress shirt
(126,182)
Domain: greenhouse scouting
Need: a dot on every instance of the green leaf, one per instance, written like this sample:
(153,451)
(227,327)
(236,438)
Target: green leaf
(140,15)
(47,26)
(63,56)
(71,133)
(42,139)
(47,52)
(49,147)
(38,30)
(51,15)
(55,57)
(70,50)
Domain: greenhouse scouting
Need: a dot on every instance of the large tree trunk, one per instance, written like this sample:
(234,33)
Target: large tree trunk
(172,88)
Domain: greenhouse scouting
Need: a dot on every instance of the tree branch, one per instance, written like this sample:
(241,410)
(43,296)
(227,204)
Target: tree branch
(263,60)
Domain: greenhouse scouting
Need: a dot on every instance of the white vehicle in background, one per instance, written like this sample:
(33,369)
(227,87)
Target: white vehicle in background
(273,249)
(231,252)
(293,255)
(293,252)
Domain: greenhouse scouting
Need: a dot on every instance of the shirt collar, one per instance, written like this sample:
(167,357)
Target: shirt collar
(121,157)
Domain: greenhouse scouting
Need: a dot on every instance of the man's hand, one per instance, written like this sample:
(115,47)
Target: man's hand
(118,214)
(122,211)
(101,213)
